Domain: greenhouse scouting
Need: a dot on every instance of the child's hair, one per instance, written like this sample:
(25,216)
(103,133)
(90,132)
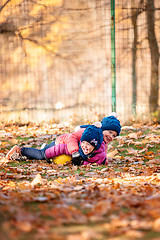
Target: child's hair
(93,135)
(111,123)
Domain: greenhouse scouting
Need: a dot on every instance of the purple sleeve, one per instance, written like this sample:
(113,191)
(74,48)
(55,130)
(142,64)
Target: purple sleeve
(57,150)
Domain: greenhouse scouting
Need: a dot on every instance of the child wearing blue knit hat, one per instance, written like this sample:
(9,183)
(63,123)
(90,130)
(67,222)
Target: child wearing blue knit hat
(96,136)
(110,126)
(91,148)
(111,123)
(103,132)
(93,135)
(90,143)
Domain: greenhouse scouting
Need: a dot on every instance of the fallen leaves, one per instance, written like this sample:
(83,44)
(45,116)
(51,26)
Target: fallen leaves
(47,201)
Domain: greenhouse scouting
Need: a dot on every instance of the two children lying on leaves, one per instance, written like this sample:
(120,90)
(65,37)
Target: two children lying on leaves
(88,145)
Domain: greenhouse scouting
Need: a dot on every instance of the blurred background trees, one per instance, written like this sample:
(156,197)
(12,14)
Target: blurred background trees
(55,59)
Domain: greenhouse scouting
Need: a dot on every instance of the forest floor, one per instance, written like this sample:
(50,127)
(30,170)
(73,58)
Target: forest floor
(46,201)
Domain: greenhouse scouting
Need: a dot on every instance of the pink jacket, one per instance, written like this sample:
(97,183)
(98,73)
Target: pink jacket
(57,150)
(68,144)
(71,139)
(99,157)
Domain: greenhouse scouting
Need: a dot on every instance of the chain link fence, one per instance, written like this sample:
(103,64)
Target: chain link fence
(55,59)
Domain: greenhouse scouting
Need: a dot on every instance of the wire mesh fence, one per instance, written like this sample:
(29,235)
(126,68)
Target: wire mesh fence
(55,59)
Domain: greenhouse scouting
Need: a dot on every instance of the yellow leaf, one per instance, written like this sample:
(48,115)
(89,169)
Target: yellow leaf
(3,143)
(118,157)
(112,154)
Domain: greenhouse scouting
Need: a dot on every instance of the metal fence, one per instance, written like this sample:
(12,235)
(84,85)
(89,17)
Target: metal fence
(55,59)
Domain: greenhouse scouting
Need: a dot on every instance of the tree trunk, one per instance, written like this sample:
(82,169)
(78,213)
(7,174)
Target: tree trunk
(134,14)
(154,50)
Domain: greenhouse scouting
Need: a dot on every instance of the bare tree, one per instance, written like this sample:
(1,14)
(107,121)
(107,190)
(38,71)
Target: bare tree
(154,51)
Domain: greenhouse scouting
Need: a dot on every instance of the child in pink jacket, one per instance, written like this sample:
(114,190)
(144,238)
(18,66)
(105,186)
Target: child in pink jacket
(91,147)
(109,125)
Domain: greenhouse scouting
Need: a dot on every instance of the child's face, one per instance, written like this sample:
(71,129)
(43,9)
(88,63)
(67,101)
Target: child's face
(86,147)
(109,135)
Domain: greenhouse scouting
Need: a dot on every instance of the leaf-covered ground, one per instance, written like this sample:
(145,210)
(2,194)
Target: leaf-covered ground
(117,201)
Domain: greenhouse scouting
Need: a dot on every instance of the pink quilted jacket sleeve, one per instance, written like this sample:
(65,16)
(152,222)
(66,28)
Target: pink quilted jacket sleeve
(57,150)
(73,140)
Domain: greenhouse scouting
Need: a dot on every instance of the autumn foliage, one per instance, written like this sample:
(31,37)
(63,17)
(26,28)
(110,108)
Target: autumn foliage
(47,201)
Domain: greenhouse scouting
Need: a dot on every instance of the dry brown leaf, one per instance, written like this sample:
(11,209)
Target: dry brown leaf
(133,234)
(37,180)
(24,226)
(112,154)
(132,151)
(133,135)
(3,161)
(156,224)
(24,186)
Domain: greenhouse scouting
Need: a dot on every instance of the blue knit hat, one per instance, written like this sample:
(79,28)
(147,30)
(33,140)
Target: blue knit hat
(93,135)
(111,123)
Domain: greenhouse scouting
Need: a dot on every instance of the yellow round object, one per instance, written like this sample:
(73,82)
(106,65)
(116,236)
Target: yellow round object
(62,159)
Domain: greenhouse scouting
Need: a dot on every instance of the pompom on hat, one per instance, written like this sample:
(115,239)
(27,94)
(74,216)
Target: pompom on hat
(111,123)
(93,135)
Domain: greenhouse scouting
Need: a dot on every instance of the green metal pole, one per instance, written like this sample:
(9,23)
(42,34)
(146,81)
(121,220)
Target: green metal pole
(113,56)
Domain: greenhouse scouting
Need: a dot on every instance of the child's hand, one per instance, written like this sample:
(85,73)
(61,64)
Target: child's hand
(77,159)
